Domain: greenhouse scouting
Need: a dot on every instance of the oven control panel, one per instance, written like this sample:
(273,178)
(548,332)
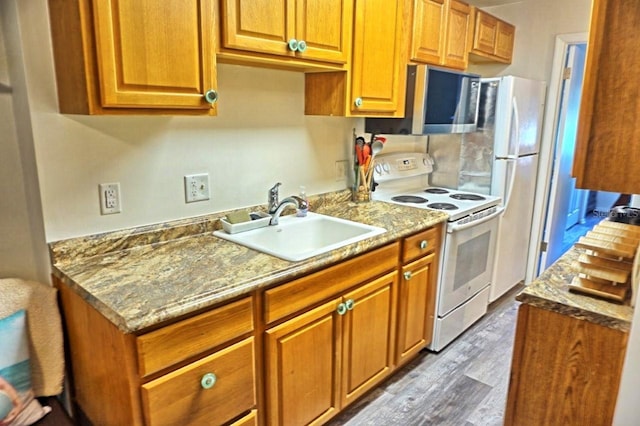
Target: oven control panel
(402,164)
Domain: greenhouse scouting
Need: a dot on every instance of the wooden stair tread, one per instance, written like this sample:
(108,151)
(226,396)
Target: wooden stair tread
(606,291)
(603,262)
(617,232)
(614,249)
(613,238)
(610,275)
(630,229)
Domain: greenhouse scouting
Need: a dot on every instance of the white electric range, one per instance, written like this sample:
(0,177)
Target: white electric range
(468,247)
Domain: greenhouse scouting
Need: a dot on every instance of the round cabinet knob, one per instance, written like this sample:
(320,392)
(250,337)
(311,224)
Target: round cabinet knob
(358,102)
(293,45)
(302,46)
(349,304)
(407,275)
(211,96)
(423,244)
(208,380)
(342,309)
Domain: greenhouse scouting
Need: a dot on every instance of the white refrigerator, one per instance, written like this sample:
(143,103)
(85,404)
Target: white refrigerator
(506,149)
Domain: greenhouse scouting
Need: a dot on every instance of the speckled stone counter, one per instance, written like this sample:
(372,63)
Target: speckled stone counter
(142,277)
(551,291)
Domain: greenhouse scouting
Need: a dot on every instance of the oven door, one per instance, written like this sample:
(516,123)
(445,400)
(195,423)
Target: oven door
(467,262)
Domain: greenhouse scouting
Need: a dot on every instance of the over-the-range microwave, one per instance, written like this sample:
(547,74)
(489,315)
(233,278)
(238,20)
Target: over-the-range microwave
(437,101)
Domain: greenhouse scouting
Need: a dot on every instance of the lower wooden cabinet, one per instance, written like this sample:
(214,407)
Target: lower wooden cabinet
(200,370)
(293,354)
(212,390)
(320,361)
(417,293)
(564,370)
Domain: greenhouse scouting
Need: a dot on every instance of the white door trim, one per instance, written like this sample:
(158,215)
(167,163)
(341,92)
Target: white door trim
(550,124)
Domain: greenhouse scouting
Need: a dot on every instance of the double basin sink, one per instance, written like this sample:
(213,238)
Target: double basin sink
(299,238)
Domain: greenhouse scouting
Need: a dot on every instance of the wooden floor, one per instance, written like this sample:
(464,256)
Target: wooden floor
(463,385)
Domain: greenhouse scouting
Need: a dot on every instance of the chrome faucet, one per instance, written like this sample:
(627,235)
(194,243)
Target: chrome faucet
(273,198)
(298,202)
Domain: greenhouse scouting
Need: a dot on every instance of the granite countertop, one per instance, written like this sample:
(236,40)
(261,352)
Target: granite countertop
(142,277)
(551,291)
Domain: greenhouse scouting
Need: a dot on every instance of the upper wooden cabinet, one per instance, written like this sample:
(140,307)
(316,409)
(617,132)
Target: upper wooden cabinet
(493,38)
(121,56)
(295,31)
(440,33)
(374,84)
(608,140)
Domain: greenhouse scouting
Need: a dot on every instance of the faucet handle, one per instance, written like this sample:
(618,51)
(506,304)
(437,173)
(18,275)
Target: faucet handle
(274,189)
(273,198)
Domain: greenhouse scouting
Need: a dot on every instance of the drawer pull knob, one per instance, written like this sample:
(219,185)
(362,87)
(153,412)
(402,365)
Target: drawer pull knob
(293,44)
(302,46)
(358,102)
(342,309)
(407,275)
(423,244)
(349,304)
(211,96)
(208,380)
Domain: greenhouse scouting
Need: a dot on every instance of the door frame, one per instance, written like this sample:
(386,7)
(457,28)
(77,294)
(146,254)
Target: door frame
(549,134)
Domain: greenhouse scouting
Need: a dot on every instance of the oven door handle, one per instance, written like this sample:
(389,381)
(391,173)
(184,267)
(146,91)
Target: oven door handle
(453,227)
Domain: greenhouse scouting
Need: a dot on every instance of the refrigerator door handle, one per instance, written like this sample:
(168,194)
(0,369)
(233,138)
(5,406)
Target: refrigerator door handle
(508,187)
(515,139)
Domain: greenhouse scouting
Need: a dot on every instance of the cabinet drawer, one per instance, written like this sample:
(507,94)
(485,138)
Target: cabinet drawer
(250,419)
(179,398)
(420,244)
(304,292)
(180,341)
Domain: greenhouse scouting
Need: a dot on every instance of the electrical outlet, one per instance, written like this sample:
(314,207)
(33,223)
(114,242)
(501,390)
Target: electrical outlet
(110,198)
(196,187)
(341,170)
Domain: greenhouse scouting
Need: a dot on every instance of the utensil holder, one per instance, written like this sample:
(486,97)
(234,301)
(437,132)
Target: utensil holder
(360,194)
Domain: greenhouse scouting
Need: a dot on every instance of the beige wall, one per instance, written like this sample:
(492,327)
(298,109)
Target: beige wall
(260,137)
(537,24)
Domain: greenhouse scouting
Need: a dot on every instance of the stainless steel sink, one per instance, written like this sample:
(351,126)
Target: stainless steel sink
(299,238)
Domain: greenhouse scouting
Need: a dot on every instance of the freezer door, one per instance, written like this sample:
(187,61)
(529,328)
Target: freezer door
(514,229)
(520,107)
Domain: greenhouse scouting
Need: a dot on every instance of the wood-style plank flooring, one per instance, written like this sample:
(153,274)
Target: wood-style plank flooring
(463,385)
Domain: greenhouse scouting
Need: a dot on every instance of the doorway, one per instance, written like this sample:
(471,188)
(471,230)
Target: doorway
(567,209)
(559,125)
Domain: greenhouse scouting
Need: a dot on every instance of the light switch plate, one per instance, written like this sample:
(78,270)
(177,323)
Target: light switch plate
(196,187)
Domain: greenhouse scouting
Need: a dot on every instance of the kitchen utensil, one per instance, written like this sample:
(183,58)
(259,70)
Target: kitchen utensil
(376,147)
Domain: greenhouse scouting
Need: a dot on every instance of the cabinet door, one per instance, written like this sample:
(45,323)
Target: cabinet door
(607,145)
(429,20)
(416,310)
(456,49)
(264,26)
(302,367)
(183,397)
(325,28)
(505,34)
(484,38)
(267,26)
(140,42)
(379,66)
(369,334)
